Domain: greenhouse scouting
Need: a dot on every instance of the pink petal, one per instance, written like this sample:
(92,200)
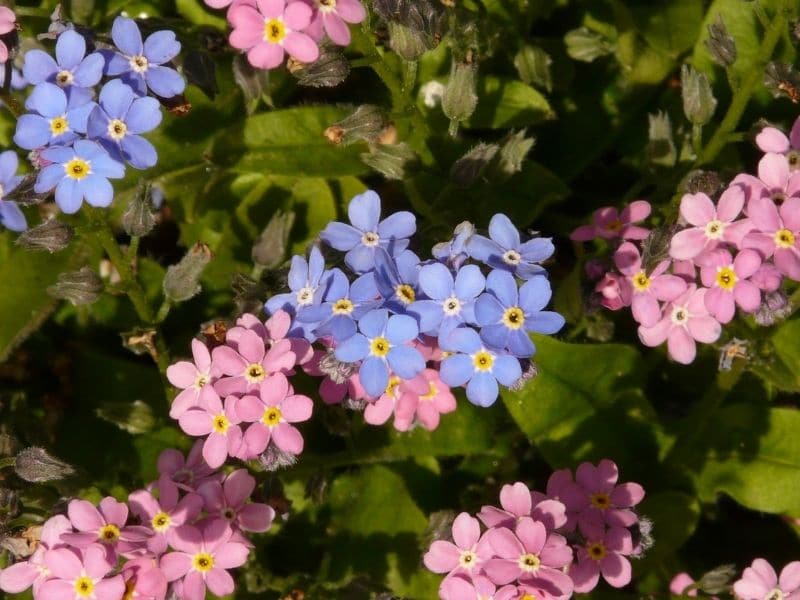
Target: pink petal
(746,263)
(378,412)
(256,438)
(794,136)
(296,409)
(687,244)
(18,577)
(84,516)
(764,214)
(227,360)
(215,450)
(501,571)
(550,512)
(627,259)
(763,242)
(351,11)
(194,586)
(56,589)
(442,557)
(773,170)
(170,460)
(788,262)
(466,531)
(53,528)
(250,409)
(751,588)
(251,347)
(231,555)
(584,233)
(627,494)
(63,563)
(645,309)
(680,346)
(187,399)
(219,582)
(704,329)
(633,232)
(297,15)
(266,56)
(256,517)
(698,209)
(556,553)
(113,511)
(679,583)
(771,139)
(301,47)
(337,29)
(271,8)
(505,543)
(789,580)
(493,516)
(720,304)
(201,355)
(196,422)
(288,438)
(110,589)
(456,588)
(747,296)
(619,540)
(636,211)
(248,31)
(655,335)
(668,287)
(585,575)
(790,213)
(516,499)
(616,570)
(182,374)
(765,572)
(238,486)
(730,204)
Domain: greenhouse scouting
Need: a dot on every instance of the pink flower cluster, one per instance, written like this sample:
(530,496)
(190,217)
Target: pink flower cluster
(544,545)
(267,30)
(759,581)
(8,23)
(730,253)
(176,538)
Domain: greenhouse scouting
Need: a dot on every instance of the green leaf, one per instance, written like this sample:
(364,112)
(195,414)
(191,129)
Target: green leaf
(195,11)
(752,454)
(780,369)
(508,103)
(674,516)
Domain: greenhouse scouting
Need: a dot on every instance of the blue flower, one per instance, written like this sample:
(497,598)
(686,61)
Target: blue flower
(140,64)
(451,302)
(477,367)
(368,232)
(79,173)
(382,345)
(57,121)
(342,305)
(305,278)
(18,82)
(453,252)
(505,251)
(397,279)
(506,314)
(73,71)
(119,119)
(11,216)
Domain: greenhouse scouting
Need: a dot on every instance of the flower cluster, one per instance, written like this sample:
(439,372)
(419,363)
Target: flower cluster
(545,545)
(268,30)
(79,143)
(759,581)
(732,252)
(173,539)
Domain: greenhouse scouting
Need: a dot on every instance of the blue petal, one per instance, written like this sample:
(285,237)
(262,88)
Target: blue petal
(316,266)
(12,217)
(507,369)
(528,270)
(353,349)
(436,281)
(97,190)
(456,370)
(144,115)
(32,132)
(39,66)
(469,282)
(462,339)
(161,47)
(365,211)
(408,267)
(58,154)
(374,376)
(9,163)
(164,81)
(336,285)
(48,100)
(136,81)
(534,294)
(298,273)
(406,361)
(116,63)
(360,259)
(341,236)
(503,285)
(70,49)
(482,248)
(90,71)
(429,314)
(519,344)
(126,36)
(488,310)
(502,231)
(373,324)
(48,178)
(545,322)
(97,124)
(482,390)
(401,329)
(78,117)
(68,197)
(140,153)
(341,327)
(496,336)
(400,225)
(537,249)
(116,98)
(364,289)
(314,314)
(280,302)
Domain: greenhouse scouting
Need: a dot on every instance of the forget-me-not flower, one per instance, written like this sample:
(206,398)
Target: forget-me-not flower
(54,120)
(11,217)
(453,252)
(397,279)
(506,251)
(305,279)
(451,300)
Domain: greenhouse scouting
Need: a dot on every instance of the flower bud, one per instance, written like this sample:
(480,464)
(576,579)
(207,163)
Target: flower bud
(460,97)
(699,103)
(467,169)
(273,458)
(782,79)
(513,151)
(661,147)
(774,308)
(250,80)
(338,371)
(734,349)
(707,182)
(425,18)
(720,44)
(717,580)
(329,70)
(182,280)
(599,328)
(406,42)
(366,123)
(9,504)
(533,66)
(270,247)
(37,466)
(138,219)
(52,235)
(390,160)
(79,287)
(586,45)
(134,417)
(655,247)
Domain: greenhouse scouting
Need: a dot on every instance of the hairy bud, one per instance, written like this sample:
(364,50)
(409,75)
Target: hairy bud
(270,247)
(338,371)
(707,182)
(273,458)
(366,123)
(329,70)
(52,235)
(586,45)
(79,287)
(37,466)
(533,65)
(717,580)
(720,44)
(134,417)
(699,103)
(390,160)
(138,219)
(182,280)
(469,168)
(460,97)
(661,146)
(514,150)
(782,79)
(774,308)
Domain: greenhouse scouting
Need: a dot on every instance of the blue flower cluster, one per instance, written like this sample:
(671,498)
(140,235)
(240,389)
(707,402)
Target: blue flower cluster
(79,143)
(476,302)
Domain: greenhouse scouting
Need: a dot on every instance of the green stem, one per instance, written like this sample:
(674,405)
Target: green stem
(163,311)
(697,138)
(746,89)
(409,77)
(133,248)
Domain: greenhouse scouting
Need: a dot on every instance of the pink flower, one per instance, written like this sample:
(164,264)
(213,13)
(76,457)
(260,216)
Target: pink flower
(646,290)
(460,587)
(767,278)
(193,378)
(684,321)
(603,554)
(774,140)
(680,584)
(776,233)
(610,289)
(220,424)
(33,572)
(710,225)
(229,501)
(271,331)
(518,501)
(608,224)
(466,555)
(423,399)
(759,581)
(218,3)
(272,415)
(529,553)
(775,180)
(530,589)
(271,28)
(378,410)
(202,558)
(251,363)
(144,579)
(332,16)
(165,514)
(80,574)
(188,472)
(597,498)
(334,390)
(105,525)
(727,279)
(8,23)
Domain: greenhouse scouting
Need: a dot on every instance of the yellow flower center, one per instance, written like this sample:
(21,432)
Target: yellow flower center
(467,559)
(272,416)
(615,225)
(596,550)
(130,589)
(370,239)
(528,596)
(202,562)
(84,587)
(784,238)
(601,500)
(108,534)
(201,382)
(220,424)
(379,347)
(59,126)
(274,31)
(161,522)
(77,169)
(432,391)
(64,78)
(254,372)
(641,282)
(117,129)
(529,563)
(342,307)
(513,317)
(405,293)
(715,229)
(483,360)
(726,278)
(391,387)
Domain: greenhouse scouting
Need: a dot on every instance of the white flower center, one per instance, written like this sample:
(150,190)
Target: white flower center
(468,559)
(139,64)
(451,306)
(680,315)
(326,6)
(775,594)
(305,296)
(64,78)
(117,129)
(370,239)
(512,257)
(715,229)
